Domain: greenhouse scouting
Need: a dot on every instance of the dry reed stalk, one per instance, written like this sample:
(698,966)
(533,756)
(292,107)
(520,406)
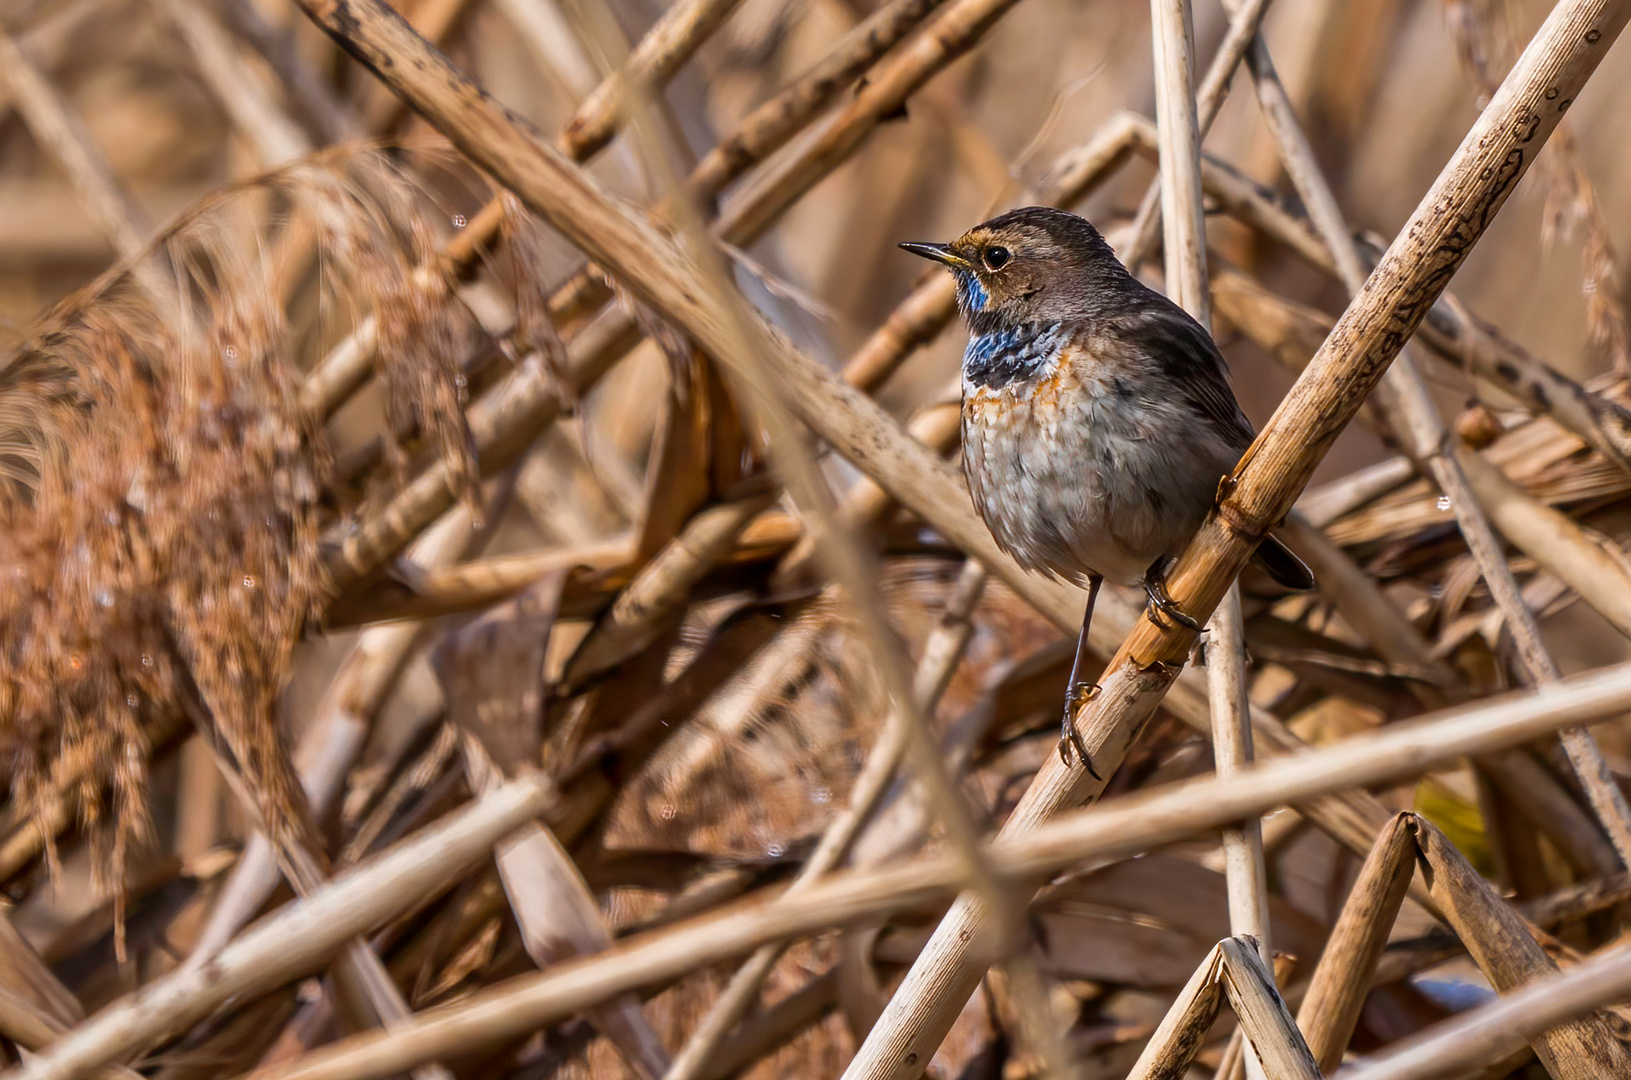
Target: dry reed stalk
(378,110)
(1184,216)
(938,662)
(1184,222)
(276,138)
(1244,870)
(660,591)
(31,1028)
(66,141)
(550,37)
(1554,811)
(555,909)
(1397,640)
(1460,337)
(1590,564)
(1121,828)
(534,405)
(669,44)
(301,938)
(743,343)
(501,425)
(1483,1035)
(314,104)
(479,583)
(1209,101)
(653,62)
(771,125)
(768,128)
(1449,329)
(1483,36)
(955,30)
(364,990)
(1273,471)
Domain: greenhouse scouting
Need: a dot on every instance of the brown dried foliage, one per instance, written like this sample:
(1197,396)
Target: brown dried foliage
(165,496)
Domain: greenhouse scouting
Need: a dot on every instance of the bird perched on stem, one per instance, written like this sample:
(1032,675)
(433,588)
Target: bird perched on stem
(1098,419)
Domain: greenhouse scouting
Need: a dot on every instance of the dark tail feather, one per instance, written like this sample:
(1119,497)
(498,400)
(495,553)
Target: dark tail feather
(1280,564)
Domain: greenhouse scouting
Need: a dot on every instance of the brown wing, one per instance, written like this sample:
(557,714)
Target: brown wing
(1181,350)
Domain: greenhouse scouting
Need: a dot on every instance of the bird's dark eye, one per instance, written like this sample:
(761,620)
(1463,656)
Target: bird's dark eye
(996,257)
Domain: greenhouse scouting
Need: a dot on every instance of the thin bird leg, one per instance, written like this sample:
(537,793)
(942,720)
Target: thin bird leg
(1155,585)
(1077,691)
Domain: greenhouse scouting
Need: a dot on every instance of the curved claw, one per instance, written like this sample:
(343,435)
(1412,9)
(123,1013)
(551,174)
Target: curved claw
(1155,587)
(1069,737)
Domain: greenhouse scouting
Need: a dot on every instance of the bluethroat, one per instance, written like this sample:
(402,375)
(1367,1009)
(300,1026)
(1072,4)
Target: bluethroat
(1098,419)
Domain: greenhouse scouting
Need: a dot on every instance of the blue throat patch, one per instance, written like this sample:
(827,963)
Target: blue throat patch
(1001,356)
(970,292)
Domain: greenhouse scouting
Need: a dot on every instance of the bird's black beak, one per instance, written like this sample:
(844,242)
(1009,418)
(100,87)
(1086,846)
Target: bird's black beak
(940,253)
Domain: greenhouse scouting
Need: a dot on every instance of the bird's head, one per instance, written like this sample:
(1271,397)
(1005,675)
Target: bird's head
(1036,264)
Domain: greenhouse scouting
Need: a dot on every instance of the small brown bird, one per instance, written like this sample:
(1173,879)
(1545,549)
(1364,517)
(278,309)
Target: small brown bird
(1098,418)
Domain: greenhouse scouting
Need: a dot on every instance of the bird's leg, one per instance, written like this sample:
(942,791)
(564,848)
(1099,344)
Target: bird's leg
(1077,691)
(1155,585)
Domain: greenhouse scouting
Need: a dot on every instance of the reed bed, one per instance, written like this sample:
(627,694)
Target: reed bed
(487,590)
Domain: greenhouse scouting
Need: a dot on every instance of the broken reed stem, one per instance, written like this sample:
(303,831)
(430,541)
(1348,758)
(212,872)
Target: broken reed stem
(1504,947)
(1342,978)
(1123,828)
(1261,491)
(1234,969)
(941,654)
(1414,416)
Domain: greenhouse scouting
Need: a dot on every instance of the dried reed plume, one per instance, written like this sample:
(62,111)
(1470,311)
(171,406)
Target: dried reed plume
(163,486)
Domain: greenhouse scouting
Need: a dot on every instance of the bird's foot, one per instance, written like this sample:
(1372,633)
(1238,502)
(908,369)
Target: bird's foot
(1069,737)
(1155,586)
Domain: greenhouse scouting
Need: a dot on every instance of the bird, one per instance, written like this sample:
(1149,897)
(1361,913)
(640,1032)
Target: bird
(1098,418)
